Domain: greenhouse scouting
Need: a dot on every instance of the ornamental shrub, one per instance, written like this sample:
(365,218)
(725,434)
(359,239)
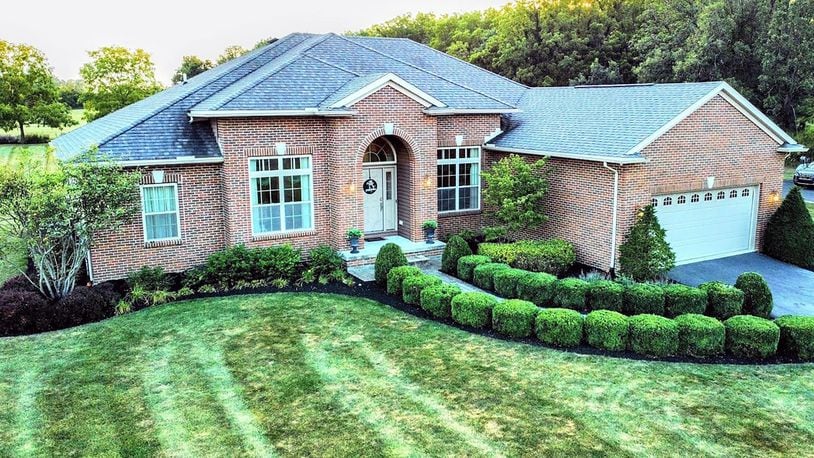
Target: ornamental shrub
(796,336)
(20,312)
(751,337)
(413,285)
(280,261)
(514,317)
(559,327)
(645,254)
(396,277)
(437,300)
(473,309)
(605,295)
(536,287)
(653,335)
(82,305)
(606,330)
(643,298)
(149,279)
(390,255)
(700,336)
(506,282)
(484,276)
(723,301)
(757,297)
(570,293)
(19,283)
(456,249)
(681,299)
(324,260)
(238,265)
(789,234)
(553,256)
(467,264)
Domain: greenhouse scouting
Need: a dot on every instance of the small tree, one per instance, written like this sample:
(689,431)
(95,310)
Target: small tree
(514,195)
(191,66)
(646,255)
(789,233)
(56,211)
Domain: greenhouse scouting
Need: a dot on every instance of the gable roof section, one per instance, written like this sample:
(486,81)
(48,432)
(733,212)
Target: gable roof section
(613,123)
(387,80)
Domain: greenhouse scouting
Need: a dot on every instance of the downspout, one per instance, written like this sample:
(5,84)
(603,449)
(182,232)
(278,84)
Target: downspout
(614,217)
(89,267)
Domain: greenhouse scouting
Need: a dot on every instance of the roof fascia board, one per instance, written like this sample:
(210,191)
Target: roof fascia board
(579,157)
(206,114)
(177,161)
(396,83)
(459,111)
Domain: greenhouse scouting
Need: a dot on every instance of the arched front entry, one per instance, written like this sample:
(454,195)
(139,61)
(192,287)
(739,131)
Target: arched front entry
(379,187)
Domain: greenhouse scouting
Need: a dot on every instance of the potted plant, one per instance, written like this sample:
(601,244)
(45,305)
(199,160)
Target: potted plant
(353,237)
(429,230)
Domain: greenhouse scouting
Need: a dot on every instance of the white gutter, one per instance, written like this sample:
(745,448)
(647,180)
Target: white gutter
(464,111)
(177,161)
(612,159)
(615,219)
(788,148)
(268,113)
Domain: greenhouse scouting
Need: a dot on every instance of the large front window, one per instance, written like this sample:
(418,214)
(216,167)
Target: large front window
(281,194)
(159,208)
(458,179)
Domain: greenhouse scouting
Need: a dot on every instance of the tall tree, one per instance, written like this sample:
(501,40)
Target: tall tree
(231,52)
(28,90)
(115,78)
(191,66)
(71,92)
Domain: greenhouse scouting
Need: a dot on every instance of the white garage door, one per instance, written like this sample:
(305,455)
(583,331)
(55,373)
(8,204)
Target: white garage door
(709,224)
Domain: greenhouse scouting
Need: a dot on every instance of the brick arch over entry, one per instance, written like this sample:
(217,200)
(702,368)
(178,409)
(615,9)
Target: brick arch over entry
(406,138)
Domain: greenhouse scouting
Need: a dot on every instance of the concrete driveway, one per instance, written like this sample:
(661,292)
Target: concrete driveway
(792,287)
(808,193)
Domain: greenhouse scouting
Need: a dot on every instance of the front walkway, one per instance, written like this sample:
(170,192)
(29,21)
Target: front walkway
(792,286)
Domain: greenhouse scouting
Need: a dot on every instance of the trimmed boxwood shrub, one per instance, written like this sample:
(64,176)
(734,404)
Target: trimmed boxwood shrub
(606,330)
(467,264)
(456,249)
(484,276)
(681,299)
(605,295)
(514,317)
(723,301)
(390,255)
(396,277)
(413,285)
(757,297)
(506,282)
(82,305)
(653,335)
(700,336)
(642,298)
(559,327)
(796,336)
(553,256)
(437,300)
(750,336)
(570,293)
(536,287)
(473,309)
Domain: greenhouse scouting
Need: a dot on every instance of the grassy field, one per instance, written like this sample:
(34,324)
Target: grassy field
(5,150)
(308,374)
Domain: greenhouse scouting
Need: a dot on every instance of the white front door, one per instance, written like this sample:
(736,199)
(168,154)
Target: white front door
(379,189)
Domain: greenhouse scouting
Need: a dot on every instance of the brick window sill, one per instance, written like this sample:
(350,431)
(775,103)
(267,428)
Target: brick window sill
(459,213)
(163,243)
(283,235)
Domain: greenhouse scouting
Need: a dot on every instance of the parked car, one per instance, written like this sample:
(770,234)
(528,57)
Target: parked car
(804,174)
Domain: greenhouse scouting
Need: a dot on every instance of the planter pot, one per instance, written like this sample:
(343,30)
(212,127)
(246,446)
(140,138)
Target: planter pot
(430,235)
(354,244)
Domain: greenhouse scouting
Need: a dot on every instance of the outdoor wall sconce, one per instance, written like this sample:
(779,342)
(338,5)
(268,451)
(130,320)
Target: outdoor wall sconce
(774,197)
(426,182)
(351,187)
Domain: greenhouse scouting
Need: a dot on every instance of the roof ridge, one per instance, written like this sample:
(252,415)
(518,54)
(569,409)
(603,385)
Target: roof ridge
(513,105)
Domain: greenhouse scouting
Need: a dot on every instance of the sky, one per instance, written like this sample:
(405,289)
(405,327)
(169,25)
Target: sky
(169,29)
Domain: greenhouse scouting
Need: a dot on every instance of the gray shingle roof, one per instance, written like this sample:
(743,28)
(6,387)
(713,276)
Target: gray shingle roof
(597,121)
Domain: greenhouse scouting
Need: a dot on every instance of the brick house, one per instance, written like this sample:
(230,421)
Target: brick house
(298,141)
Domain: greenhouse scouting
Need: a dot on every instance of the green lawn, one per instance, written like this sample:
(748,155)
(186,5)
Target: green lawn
(5,150)
(308,374)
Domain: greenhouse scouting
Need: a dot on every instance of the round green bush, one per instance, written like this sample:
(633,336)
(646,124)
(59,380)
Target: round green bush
(437,300)
(723,301)
(559,327)
(396,277)
(789,234)
(700,336)
(514,317)
(537,288)
(605,295)
(796,336)
(653,335)
(606,330)
(467,264)
(484,276)
(473,309)
(642,298)
(757,297)
(750,336)
(570,293)
(412,287)
(506,282)
(456,249)
(682,299)
(390,255)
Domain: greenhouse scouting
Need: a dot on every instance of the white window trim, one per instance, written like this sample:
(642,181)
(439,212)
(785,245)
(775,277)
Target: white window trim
(144,213)
(457,163)
(280,173)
